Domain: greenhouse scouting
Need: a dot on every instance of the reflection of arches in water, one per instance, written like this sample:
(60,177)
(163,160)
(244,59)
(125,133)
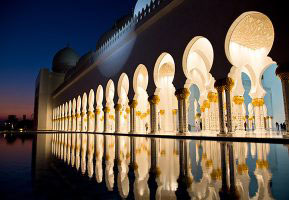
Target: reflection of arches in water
(164,73)
(194,108)
(140,83)
(109,161)
(142,157)
(99,146)
(169,169)
(122,179)
(122,90)
(196,152)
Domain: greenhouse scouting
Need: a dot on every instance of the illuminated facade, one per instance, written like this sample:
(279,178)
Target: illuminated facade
(171,68)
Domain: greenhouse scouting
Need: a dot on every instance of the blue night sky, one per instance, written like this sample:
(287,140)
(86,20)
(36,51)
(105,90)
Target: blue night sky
(32,31)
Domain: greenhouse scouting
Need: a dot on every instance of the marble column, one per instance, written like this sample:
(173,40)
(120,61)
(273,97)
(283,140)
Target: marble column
(117,117)
(132,105)
(259,114)
(270,122)
(220,88)
(97,120)
(283,73)
(84,121)
(106,111)
(91,119)
(207,106)
(78,121)
(69,128)
(65,121)
(182,96)
(238,101)
(228,87)
(153,100)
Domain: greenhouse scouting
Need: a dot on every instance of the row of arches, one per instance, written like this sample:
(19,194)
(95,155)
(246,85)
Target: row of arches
(202,103)
(98,112)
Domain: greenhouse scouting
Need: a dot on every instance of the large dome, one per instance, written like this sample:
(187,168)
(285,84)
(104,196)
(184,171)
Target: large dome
(141,4)
(64,59)
(85,58)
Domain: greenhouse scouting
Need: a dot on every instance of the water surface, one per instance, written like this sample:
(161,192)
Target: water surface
(90,166)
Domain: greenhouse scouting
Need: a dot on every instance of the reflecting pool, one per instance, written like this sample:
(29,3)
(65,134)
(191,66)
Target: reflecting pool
(95,166)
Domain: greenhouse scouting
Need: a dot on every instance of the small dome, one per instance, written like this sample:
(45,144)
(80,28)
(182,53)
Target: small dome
(64,59)
(141,4)
(85,58)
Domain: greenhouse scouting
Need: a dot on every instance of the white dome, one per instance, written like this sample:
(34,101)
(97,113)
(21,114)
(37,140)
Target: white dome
(141,4)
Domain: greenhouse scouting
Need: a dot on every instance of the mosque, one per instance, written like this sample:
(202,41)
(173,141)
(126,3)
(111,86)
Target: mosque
(174,67)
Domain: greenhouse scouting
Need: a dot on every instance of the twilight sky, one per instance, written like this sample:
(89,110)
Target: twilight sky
(32,31)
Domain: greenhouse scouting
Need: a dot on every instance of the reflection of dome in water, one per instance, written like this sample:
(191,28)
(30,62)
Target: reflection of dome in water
(141,4)
(64,59)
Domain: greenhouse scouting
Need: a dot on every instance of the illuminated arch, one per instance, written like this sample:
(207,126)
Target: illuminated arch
(140,79)
(69,116)
(78,114)
(99,113)
(84,113)
(248,43)
(74,114)
(91,121)
(109,93)
(251,32)
(99,96)
(197,62)
(164,72)
(63,117)
(140,83)
(164,67)
(122,90)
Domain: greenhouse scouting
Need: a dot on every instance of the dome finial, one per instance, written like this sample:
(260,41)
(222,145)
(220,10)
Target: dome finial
(67,44)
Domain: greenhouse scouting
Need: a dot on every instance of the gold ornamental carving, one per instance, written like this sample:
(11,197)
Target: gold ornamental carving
(118,107)
(97,111)
(182,93)
(258,102)
(154,99)
(90,114)
(133,103)
(238,100)
(242,168)
(262,164)
(216,174)
(229,84)
(213,97)
(174,111)
(106,109)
